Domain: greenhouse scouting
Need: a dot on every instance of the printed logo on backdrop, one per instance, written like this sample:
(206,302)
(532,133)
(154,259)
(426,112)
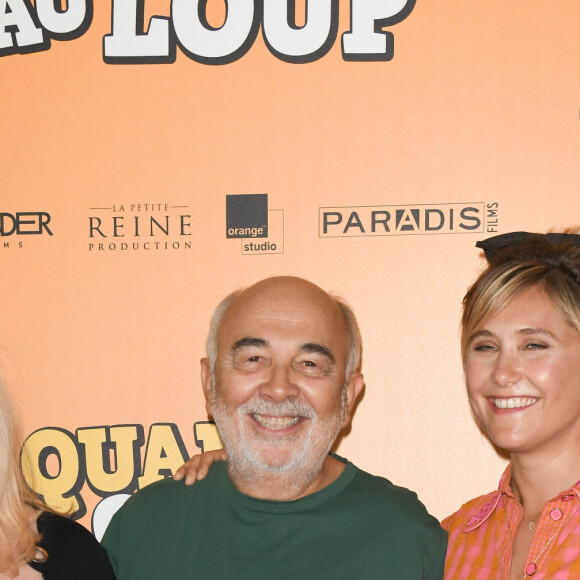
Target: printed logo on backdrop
(261,230)
(23,223)
(207,34)
(419,219)
(139,227)
(57,464)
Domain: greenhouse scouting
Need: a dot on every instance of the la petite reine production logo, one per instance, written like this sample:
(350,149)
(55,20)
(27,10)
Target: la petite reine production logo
(140,227)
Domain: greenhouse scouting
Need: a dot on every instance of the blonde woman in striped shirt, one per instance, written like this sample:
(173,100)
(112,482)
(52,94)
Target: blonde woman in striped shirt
(521,356)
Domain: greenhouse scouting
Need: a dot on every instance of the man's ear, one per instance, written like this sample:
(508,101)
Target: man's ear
(354,387)
(206,383)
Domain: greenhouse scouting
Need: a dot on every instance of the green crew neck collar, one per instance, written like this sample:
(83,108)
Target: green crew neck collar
(295,505)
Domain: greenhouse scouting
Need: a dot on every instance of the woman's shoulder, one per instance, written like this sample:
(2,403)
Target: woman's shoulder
(50,523)
(472,513)
(72,550)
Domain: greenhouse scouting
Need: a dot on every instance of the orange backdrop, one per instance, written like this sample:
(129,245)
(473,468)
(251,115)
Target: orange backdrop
(472,124)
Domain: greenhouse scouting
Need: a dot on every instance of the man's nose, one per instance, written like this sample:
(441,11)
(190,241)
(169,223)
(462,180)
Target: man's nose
(279,384)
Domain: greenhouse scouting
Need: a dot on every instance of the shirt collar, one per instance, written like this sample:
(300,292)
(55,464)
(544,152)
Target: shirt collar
(481,513)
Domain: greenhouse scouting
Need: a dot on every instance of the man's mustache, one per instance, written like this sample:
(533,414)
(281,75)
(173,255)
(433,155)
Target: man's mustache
(286,408)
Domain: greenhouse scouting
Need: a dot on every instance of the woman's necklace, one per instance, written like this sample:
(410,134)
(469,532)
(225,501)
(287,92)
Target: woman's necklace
(531,568)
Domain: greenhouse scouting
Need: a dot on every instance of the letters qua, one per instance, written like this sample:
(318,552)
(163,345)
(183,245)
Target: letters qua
(26,27)
(392,220)
(57,463)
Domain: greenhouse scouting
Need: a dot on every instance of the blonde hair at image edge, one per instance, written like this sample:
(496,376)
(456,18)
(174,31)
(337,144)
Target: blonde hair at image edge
(17,539)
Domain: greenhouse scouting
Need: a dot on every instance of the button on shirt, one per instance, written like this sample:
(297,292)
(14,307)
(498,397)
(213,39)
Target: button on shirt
(482,532)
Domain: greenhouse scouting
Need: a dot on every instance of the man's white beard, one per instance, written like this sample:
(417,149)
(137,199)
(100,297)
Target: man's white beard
(246,463)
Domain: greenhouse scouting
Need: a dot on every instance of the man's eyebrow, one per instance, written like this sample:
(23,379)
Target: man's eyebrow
(318,349)
(248,341)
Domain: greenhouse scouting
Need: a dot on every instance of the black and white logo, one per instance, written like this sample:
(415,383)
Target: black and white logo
(260,229)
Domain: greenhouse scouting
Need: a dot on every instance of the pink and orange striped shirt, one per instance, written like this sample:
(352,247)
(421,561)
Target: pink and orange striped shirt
(481,535)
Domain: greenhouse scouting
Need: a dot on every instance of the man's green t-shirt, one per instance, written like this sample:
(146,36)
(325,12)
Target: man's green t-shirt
(359,527)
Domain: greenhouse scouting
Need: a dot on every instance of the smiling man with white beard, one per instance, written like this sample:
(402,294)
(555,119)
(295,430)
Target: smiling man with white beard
(281,380)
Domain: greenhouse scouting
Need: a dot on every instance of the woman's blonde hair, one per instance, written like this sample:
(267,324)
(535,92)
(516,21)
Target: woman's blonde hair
(17,539)
(550,262)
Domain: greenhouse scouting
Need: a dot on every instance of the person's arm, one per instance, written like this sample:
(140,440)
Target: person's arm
(436,569)
(73,552)
(198,466)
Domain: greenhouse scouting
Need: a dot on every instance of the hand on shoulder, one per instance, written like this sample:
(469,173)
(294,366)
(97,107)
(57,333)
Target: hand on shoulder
(198,466)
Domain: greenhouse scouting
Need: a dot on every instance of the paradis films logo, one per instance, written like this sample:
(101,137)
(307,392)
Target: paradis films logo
(418,219)
(260,229)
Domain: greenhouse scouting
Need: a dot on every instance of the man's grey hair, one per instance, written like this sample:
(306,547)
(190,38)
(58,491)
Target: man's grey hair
(353,361)
(214,327)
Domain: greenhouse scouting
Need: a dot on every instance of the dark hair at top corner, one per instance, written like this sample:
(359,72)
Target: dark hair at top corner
(535,262)
(538,248)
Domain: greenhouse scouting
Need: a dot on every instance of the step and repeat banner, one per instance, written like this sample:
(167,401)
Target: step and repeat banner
(156,155)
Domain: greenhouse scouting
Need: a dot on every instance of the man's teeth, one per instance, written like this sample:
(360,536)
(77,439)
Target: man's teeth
(275,423)
(514,402)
